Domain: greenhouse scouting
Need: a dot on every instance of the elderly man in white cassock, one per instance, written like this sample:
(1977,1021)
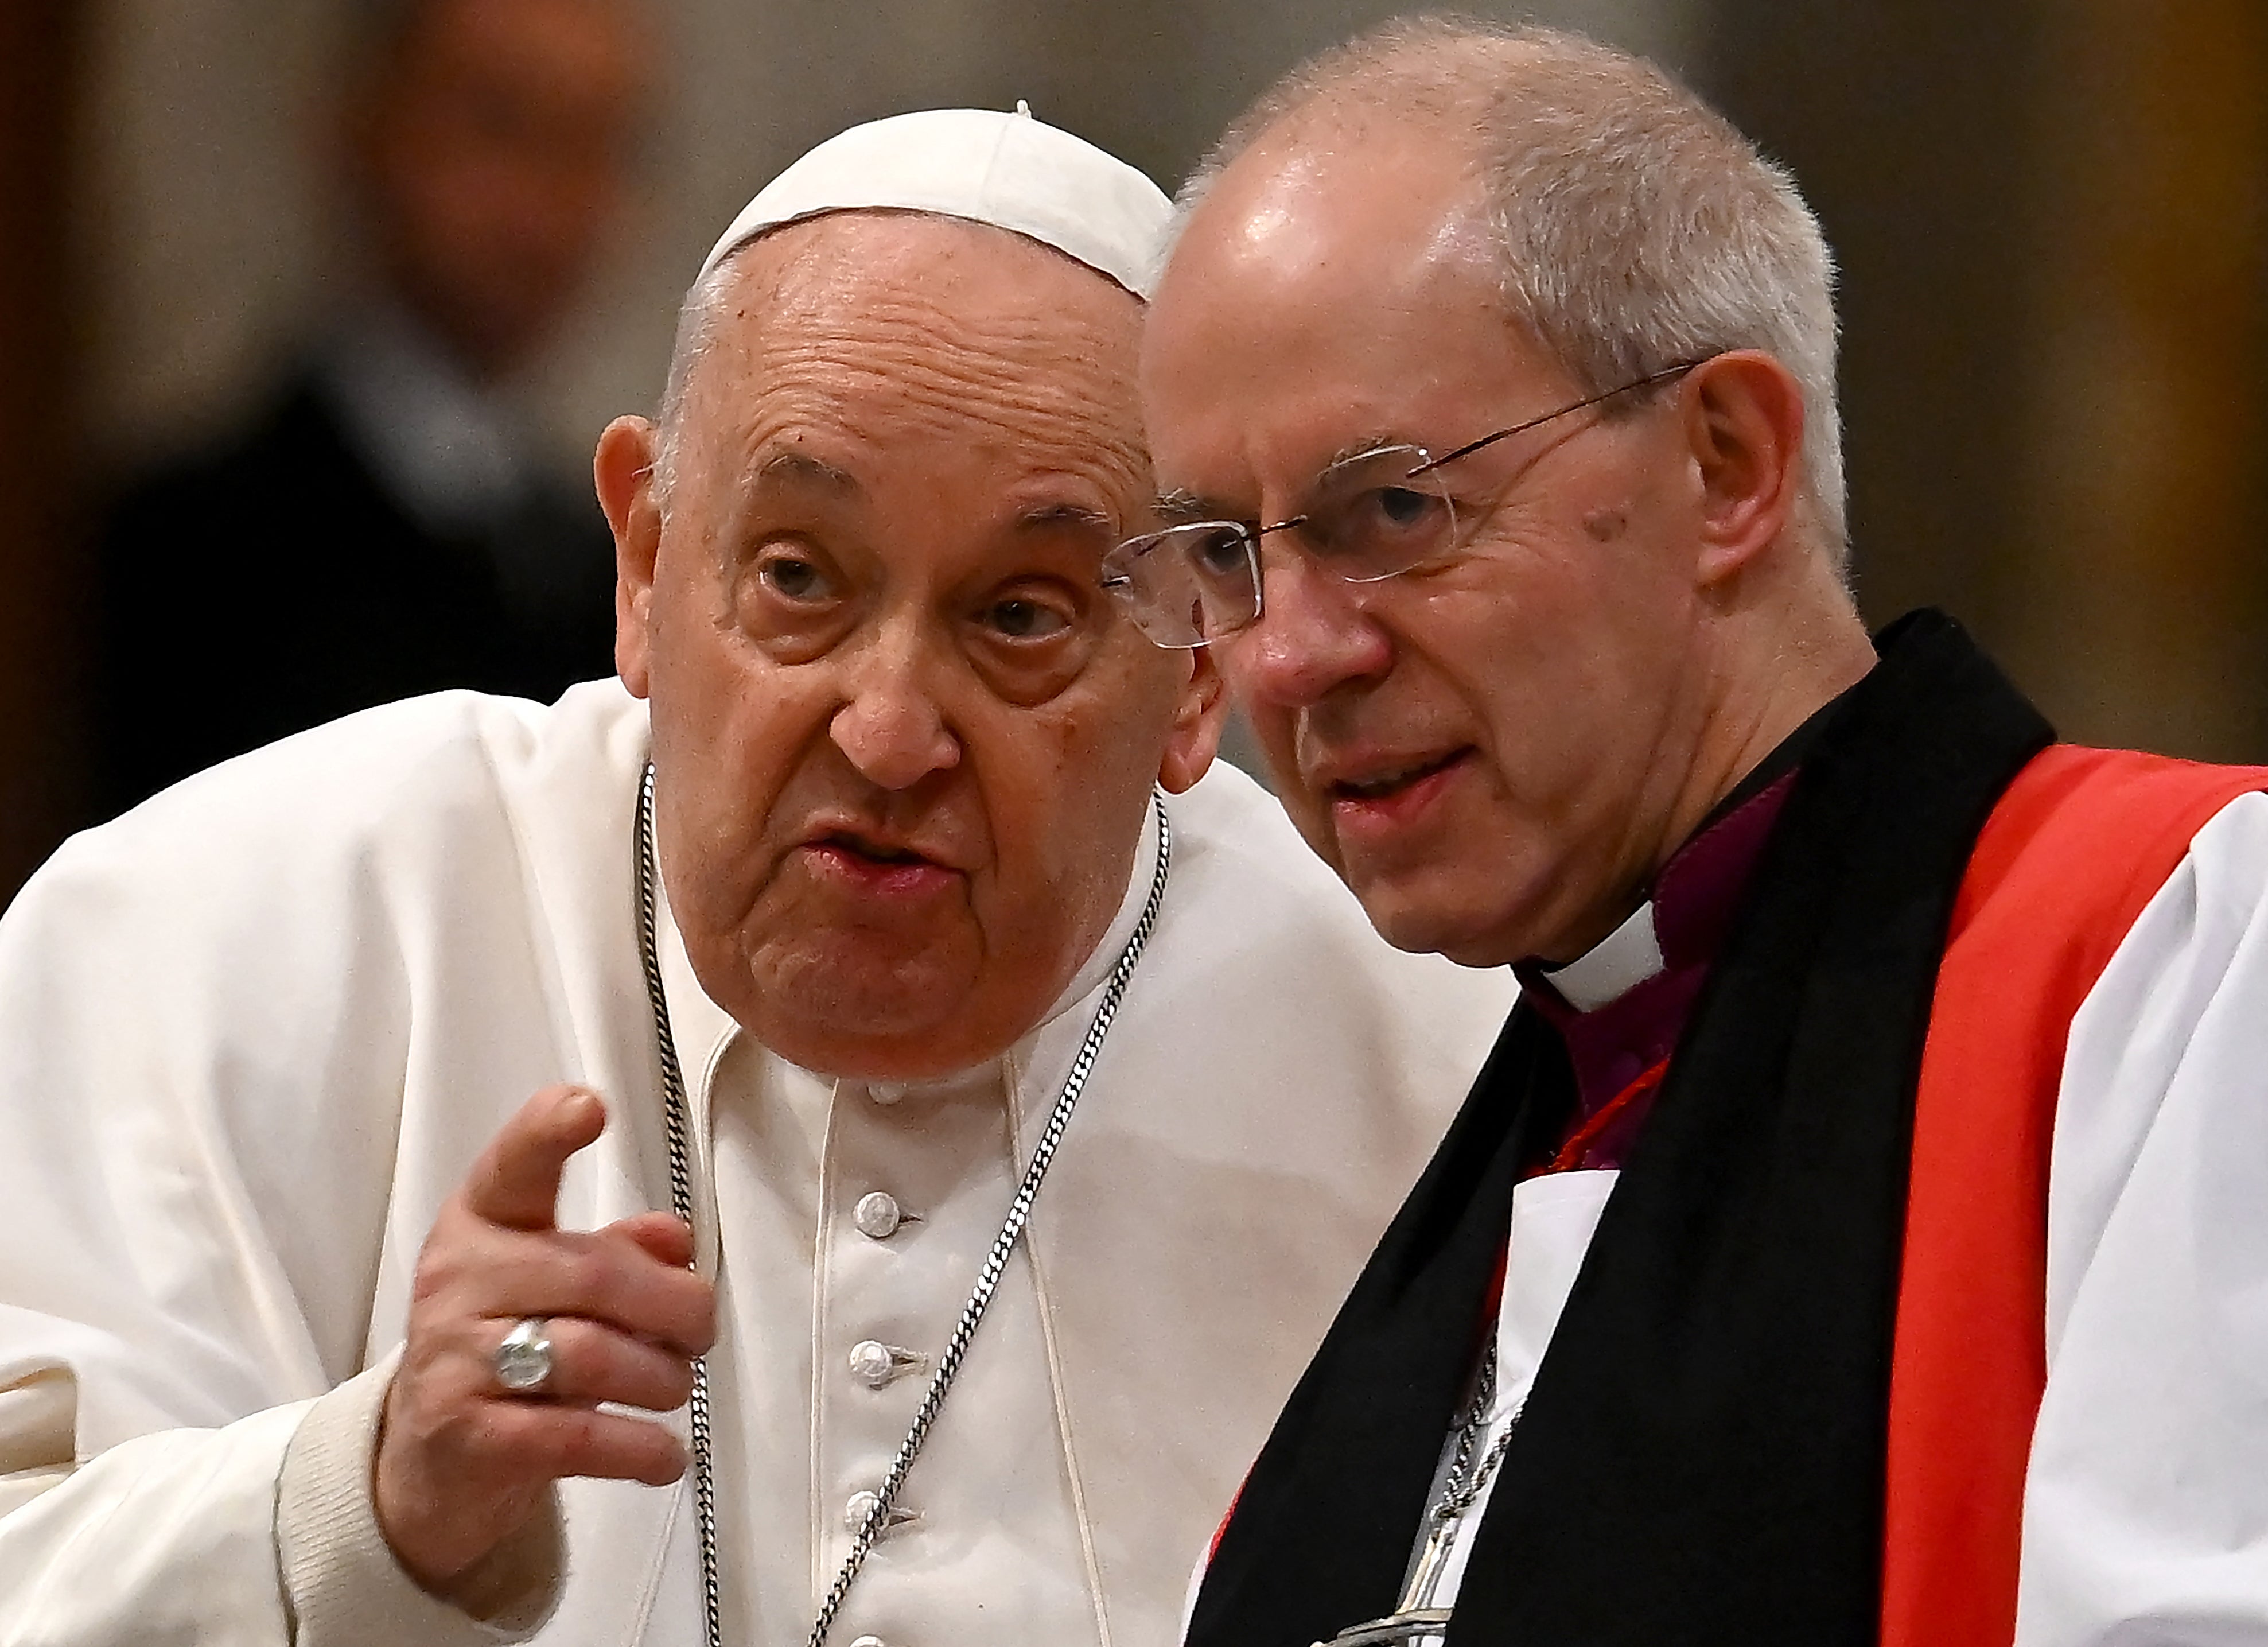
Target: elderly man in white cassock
(956,1111)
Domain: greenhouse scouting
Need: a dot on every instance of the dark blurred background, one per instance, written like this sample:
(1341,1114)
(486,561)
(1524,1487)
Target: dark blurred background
(2051,217)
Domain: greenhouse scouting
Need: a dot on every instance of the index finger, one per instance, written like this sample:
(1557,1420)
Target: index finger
(516,1180)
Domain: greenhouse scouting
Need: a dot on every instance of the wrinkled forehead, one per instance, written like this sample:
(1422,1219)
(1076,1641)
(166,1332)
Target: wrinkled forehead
(891,327)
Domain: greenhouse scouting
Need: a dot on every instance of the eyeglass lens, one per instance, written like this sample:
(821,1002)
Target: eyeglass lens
(1369,519)
(1372,518)
(1188,584)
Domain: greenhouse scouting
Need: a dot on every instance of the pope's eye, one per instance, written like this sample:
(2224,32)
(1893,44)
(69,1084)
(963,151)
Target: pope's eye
(1021,619)
(793,577)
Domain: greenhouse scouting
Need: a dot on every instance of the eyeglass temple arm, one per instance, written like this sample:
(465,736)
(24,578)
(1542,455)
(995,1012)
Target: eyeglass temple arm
(1471,447)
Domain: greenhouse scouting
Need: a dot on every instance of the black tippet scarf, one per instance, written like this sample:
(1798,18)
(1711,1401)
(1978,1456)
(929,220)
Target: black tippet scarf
(1701,1459)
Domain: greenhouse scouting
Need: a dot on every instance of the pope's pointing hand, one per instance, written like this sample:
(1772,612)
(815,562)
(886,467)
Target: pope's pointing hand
(463,1462)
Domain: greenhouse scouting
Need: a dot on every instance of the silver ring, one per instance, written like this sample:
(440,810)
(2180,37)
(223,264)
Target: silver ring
(523,1361)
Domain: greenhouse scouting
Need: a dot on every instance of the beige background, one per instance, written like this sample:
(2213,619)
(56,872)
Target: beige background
(210,240)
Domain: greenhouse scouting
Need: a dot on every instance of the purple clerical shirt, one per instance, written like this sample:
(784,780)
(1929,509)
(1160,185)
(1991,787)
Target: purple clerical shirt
(1637,989)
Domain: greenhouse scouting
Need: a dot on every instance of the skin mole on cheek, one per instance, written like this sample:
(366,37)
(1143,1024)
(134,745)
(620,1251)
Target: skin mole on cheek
(1605,525)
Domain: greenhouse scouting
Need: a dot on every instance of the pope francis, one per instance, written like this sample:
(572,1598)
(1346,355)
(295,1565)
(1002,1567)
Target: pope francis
(848,1132)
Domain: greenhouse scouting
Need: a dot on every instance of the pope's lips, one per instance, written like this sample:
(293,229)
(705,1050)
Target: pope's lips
(876,865)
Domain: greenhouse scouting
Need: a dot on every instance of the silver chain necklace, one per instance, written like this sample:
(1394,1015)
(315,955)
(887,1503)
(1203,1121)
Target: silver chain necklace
(996,1261)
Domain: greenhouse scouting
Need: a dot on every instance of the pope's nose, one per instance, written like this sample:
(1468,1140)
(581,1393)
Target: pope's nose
(890,727)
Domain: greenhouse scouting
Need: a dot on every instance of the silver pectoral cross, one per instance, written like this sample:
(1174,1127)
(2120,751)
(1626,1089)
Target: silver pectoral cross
(1410,1618)
(1396,1629)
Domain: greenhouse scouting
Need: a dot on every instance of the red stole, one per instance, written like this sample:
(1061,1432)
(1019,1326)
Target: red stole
(2080,842)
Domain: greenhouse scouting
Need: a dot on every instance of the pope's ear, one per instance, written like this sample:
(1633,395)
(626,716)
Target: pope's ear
(1198,716)
(623,472)
(1744,423)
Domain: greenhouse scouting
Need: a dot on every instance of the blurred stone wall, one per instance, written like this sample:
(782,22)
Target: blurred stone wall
(2051,217)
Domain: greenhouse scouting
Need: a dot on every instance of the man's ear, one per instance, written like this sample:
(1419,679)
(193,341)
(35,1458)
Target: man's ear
(623,472)
(1195,736)
(1744,425)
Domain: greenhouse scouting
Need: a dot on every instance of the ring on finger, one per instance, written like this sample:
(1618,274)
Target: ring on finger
(522,1362)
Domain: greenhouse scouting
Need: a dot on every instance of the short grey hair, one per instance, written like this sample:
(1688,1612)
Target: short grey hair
(1639,229)
(697,329)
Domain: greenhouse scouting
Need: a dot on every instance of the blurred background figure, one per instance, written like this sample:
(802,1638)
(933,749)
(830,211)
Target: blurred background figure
(2048,216)
(385,524)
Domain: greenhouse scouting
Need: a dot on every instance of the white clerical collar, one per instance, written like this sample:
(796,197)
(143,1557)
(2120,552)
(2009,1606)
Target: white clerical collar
(1614,966)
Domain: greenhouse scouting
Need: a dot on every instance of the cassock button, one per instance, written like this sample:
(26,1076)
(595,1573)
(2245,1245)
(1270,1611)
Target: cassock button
(878,1365)
(861,1505)
(877,1215)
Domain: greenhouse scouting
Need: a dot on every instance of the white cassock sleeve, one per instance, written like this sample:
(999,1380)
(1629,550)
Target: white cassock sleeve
(155,1362)
(203,1046)
(2146,1517)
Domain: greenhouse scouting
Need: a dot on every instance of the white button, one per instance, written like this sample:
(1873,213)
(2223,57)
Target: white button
(878,1365)
(877,1215)
(886,1092)
(861,1505)
(868,1641)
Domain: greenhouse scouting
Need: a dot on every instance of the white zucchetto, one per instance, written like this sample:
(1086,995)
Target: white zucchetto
(1009,170)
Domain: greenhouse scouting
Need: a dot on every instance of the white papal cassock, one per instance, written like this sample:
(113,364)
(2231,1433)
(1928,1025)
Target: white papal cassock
(253,1034)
